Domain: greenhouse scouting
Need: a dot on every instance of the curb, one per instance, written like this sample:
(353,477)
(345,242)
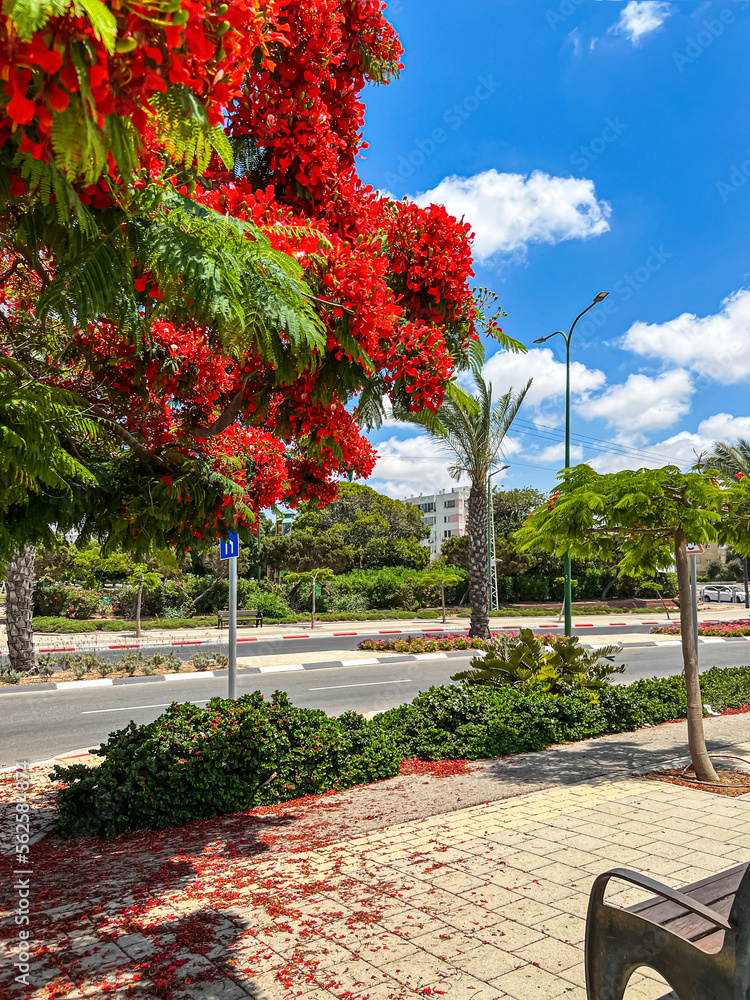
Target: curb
(323,664)
(220,640)
(198,675)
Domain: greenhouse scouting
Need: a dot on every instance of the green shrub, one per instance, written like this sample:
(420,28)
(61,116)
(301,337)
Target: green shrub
(170,623)
(201,661)
(131,661)
(62,625)
(194,763)
(49,600)
(8,676)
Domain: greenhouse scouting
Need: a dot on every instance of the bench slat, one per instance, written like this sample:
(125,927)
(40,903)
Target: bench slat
(716,891)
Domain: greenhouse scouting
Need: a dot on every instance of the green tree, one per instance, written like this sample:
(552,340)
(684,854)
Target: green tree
(303,550)
(512,507)
(380,530)
(381,552)
(145,579)
(443,579)
(455,551)
(647,517)
(311,577)
(474,434)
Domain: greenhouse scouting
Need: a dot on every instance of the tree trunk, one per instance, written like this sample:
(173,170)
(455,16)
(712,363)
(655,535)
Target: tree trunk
(138,610)
(704,769)
(312,615)
(478,561)
(18,609)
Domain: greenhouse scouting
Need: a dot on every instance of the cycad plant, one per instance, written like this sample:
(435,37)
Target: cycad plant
(475,434)
(529,663)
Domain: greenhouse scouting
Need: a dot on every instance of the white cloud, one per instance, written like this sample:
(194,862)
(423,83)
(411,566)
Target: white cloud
(642,404)
(640,18)
(680,449)
(505,370)
(717,347)
(509,211)
(555,453)
(409,466)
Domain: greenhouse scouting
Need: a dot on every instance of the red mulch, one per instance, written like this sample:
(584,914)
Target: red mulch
(733,783)
(437,768)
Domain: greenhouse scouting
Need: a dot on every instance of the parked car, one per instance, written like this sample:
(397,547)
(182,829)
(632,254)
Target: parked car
(722,593)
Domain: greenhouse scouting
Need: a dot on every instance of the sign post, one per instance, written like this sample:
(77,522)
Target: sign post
(230,549)
(694,550)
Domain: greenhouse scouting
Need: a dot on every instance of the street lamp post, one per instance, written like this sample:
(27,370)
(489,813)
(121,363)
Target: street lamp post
(568,600)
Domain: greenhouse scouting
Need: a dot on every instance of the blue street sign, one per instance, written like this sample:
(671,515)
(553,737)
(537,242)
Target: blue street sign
(230,548)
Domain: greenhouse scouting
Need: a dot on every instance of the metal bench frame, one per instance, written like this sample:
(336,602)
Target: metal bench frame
(619,941)
(247,616)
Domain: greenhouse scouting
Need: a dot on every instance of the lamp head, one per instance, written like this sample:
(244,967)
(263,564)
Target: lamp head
(601,296)
(541,340)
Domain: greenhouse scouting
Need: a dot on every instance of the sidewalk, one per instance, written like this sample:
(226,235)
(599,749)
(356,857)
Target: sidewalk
(452,896)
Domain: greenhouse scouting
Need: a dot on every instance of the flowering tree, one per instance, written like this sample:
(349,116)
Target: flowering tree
(192,271)
(646,518)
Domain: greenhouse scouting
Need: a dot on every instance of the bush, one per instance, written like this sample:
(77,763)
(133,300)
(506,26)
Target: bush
(50,624)
(169,593)
(730,629)
(423,644)
(68,625)
(194,763)
(49,600)
(474,722)
(60,600)
(82,603)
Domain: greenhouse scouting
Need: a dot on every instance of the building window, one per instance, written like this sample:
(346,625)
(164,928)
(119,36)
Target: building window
(449,503)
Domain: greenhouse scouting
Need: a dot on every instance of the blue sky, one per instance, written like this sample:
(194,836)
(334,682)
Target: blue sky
(593,145)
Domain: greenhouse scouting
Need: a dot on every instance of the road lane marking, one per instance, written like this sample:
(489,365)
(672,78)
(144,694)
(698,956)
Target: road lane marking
(135,708)
(330,687)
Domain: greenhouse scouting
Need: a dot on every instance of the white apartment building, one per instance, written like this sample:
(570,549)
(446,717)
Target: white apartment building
(444,513)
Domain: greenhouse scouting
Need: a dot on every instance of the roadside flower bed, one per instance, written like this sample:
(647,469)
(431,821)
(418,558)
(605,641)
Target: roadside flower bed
(725,629)
(446,642)
(423,644)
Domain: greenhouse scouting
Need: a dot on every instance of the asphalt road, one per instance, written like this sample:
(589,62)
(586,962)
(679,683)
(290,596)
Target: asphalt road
(39,725)
(325,642)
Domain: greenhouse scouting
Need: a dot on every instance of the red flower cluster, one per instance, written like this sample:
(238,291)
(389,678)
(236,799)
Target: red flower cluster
(70,66)
(285,77)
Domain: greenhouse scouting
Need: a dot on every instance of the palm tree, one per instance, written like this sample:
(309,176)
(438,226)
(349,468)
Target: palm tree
(475,435)
(732,460)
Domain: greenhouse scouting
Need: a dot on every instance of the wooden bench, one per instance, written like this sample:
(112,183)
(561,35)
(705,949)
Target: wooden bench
(698,939)
(242,616)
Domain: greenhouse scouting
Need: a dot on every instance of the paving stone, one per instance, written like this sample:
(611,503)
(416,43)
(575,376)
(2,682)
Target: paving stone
(532,983)
(486,962)
(566,927)
(550,954)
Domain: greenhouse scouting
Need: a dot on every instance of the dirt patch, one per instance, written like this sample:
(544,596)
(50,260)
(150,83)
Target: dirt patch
(731,782)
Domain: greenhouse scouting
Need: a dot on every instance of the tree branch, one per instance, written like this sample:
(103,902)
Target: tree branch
(224,420)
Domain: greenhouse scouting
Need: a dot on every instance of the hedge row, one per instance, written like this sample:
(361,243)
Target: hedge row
(194,763)
(69,625)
